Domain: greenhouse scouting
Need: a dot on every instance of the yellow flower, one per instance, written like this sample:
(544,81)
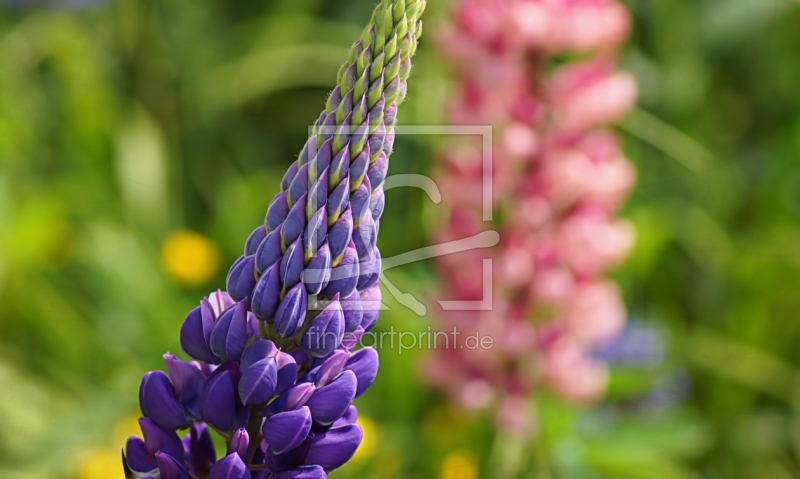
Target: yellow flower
(369,441)
(100,464)
(460,464)
(106,462)
(189,258)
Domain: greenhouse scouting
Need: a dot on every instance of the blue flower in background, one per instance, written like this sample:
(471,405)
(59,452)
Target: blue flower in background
(639,344)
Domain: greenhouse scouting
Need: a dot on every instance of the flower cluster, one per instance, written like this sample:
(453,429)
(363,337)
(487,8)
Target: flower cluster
(276,424)
(558,179)
(275,373)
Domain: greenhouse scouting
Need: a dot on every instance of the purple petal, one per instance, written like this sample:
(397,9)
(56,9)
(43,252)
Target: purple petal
(295,222)
(344,276)
(377,171)
(201,450)
(371,304)
(353,313)
(342,135)
(298,396)
(333,448)
(390,115)
(261,349)
(287,372)
(304,472)
(171,468)
(291,172)
(158,439)
(252,326)
(229,335)
(220,332)
(292,264)
(258,382)
(194,341)
(340,233)
(239,443)
(158,402)
(329,403)
(321,159)
(219,401)
(318,272)
(269,251)
(360,107)
(358,138)
(137,456)
(237,333)
(299,186)
(376,117)
(318,193)
(359,201)
(287,430)
(219,301)
(277,212)
(365,236)
(350,340)
(325,332)
(241,278)
(327,127)
(331,368)
(292,311)
(316,230)
(267,293)
(364,363)
(289,460)
(369,270)
(376,204)
(388,142)
(335,98)
(376,140)
(349,417)
(358,172)
(229,467)
(338,170)
(255,239)
(338,200)
(188,381)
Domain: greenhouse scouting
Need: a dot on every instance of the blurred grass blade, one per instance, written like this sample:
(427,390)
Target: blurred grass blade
(742,363)
(731,20)
(267,71)
(703,236)
(665,137)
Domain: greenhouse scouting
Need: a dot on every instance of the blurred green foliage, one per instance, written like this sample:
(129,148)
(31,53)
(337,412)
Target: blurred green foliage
(123,121)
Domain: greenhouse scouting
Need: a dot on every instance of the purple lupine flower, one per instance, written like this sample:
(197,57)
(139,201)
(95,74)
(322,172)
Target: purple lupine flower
(274,370)
(239,443)
(320,230)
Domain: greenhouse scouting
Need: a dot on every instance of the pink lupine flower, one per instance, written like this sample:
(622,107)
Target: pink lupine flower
(591,169)
(589,95)
(570,25)
(590,243)
(558,179)
(595,313)
(572,373)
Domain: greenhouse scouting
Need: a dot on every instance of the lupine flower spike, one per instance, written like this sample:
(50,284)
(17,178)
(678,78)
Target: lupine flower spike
(274,370)
(542,73)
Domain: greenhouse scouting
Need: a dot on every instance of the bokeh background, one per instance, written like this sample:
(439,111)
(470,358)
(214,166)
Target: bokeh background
(141,141)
